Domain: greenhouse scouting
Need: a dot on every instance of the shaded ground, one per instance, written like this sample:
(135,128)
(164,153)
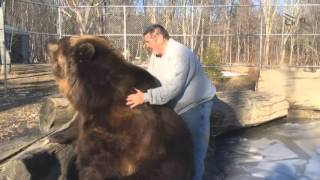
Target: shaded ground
(27,84)
(19,108)
(287,149)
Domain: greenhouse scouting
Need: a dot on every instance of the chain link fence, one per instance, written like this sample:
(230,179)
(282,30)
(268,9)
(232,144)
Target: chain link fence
(247,35)
(34,24)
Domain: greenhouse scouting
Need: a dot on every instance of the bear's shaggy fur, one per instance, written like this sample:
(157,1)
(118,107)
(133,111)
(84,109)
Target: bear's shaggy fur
(114,141)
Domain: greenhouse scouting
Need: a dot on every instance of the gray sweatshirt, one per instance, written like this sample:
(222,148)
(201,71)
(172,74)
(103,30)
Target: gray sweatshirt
(184,85)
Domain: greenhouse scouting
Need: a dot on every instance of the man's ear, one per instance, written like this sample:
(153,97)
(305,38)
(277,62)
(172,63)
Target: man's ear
(158,38)
(84,52)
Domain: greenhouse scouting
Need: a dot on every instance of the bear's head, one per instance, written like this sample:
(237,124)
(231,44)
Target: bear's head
(86,69)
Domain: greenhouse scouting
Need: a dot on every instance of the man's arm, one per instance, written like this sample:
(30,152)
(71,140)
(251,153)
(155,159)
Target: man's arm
(135,99)
(177,70)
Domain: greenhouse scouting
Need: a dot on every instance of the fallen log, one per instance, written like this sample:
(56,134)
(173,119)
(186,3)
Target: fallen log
(54,113)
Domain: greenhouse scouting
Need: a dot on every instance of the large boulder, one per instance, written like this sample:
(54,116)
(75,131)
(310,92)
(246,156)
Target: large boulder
(238,109)
(40,161)
(298,86)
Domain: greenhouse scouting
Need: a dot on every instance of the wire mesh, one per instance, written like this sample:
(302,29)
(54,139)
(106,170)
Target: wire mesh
(236,29)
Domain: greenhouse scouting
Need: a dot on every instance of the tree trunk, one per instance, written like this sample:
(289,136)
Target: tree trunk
(201,40)
(169,14)
(291,49)
(153,18)
(238,46)
(248,50)
(227,41)
(269,16)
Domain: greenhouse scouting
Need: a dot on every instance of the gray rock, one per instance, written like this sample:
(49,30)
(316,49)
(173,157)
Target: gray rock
(298,86)
(42,160)
(235,110)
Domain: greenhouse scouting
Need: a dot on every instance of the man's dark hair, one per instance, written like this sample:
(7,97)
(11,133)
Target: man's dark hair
(157,28)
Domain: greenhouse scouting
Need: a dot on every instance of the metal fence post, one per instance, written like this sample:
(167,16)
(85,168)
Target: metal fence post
(3,49)
(59,23)
(124,32)
(5,69)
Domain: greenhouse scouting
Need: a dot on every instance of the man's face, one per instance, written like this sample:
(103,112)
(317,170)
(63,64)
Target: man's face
(153,42)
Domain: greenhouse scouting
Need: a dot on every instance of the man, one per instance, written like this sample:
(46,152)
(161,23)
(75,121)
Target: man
(184,86)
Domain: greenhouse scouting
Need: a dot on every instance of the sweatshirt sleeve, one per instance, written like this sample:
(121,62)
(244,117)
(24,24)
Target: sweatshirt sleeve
(177,70)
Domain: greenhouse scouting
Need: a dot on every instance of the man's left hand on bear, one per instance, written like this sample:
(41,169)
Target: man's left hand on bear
(113,141)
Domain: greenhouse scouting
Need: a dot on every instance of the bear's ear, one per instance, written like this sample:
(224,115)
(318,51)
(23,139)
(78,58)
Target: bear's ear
(84,52)
(52,47)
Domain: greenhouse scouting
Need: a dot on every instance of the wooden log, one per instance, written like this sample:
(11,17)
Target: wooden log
(55,112)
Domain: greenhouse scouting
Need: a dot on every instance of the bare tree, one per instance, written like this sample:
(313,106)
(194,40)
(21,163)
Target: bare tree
(81,14)
(269,14)
(236,27)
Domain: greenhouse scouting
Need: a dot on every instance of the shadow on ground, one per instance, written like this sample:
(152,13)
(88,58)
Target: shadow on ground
(28,83)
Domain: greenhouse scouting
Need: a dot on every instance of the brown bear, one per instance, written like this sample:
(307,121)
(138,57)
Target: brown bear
(114,141)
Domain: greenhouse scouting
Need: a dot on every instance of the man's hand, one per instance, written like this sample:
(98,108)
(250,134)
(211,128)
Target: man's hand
(135,99)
